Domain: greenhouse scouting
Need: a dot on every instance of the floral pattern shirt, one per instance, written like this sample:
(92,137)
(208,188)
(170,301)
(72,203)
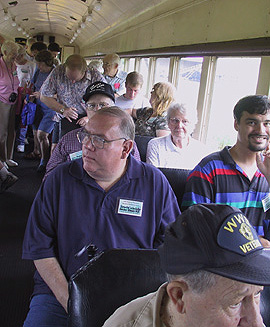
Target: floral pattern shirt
(147,125)
(68,93)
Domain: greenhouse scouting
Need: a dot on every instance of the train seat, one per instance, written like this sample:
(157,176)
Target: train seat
(177,179)
(109,281)
(142,141)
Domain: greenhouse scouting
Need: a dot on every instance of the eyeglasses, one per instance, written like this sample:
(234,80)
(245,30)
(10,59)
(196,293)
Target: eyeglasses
(96,106)
(96,141)
(176,121)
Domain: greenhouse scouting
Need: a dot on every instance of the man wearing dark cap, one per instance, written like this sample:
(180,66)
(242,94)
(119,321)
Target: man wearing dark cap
(106,198)
(216,268)
(97,96)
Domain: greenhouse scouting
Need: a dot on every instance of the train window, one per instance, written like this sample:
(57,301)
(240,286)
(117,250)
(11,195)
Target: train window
(144,69)
(162,70)
(131,65)
(234,79)
(189,76)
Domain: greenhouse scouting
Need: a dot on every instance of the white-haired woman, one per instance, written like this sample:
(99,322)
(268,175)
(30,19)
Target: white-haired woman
(9,83)
(178,149)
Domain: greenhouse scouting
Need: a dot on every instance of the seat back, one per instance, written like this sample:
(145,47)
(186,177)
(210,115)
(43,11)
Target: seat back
(177,179)
(142,142)
(109,281)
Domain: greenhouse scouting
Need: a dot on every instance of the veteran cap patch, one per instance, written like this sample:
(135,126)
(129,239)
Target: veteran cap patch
(216,238)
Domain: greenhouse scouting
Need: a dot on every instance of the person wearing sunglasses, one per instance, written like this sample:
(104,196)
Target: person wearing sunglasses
(106,198)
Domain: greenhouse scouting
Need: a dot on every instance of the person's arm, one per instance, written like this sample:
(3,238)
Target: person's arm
(52,274)
(59,155)
(52,103)
(152,153)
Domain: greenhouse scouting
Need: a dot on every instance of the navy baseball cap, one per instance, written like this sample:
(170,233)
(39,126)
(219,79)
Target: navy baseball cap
(216,238)
(99,88)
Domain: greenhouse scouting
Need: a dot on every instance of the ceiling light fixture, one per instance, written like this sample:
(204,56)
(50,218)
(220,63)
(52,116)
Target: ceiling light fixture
(79,30)
(24,33)
(19,28)
(89,16)
(98,5)
(13,22)
(83,25)
(75,34)
(6,16)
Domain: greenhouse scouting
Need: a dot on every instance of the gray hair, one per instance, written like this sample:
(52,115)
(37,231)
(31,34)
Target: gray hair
(199,280)
(9,46)
(96,64)
(126,126)
(191,114)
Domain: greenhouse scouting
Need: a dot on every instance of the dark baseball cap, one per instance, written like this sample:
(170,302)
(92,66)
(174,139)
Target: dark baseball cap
(99,88)
(216,238)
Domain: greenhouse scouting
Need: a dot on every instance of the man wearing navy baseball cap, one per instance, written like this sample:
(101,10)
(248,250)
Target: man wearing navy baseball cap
(216,268)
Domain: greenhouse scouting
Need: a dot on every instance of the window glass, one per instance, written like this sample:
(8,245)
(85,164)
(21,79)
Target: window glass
(234,79)
(144,70)
(189,76)
(162,70)
(131,65)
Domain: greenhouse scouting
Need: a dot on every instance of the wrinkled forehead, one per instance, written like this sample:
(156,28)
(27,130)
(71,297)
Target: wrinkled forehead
(103,125)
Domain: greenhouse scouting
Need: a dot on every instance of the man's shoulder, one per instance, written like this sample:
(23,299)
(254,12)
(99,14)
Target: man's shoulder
(139,312)
(121,74)
(158,141)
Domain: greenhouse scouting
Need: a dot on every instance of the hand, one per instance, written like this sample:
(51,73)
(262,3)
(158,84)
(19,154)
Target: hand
(263,163)
(36,95)
(83,121)
(265,242)
(70,113)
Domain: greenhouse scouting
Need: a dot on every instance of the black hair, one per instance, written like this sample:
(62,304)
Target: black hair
(46,57)
(54,47)
(253,104)
(39,46)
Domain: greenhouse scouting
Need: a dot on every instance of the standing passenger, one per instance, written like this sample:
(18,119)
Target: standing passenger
(115,77)
(9,83)
(68,81)
(54,49)
(107,198)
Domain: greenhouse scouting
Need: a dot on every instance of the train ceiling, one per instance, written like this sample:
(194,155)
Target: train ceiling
(79,21)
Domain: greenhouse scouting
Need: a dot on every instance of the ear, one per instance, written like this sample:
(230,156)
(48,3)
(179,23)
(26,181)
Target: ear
(116,66)
(236,125)
(127,147)
(176,291)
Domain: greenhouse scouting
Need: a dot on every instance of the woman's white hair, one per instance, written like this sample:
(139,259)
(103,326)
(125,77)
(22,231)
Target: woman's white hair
(9,46)
(190,114)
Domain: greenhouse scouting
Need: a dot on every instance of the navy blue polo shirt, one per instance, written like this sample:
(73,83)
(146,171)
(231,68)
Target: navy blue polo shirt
(71,211)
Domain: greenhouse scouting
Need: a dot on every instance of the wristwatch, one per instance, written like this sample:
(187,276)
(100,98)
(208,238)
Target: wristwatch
(62,110)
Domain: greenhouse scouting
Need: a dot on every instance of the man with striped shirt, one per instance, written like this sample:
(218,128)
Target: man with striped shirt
(238,175)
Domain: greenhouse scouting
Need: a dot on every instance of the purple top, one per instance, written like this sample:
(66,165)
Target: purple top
(71,211)
(68,93)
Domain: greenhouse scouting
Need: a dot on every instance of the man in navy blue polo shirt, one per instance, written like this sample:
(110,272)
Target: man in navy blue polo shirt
(107,198)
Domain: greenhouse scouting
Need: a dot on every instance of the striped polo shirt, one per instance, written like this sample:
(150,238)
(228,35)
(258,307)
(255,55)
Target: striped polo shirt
(218,179)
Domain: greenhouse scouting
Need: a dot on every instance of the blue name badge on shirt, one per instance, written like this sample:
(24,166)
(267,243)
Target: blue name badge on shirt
(266,202)
(130,207)
(75,155)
